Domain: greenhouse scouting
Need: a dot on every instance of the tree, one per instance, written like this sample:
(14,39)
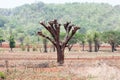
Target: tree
(1,40)
(27,41)
(81,38)
(71,42)
(11,42)
(89,39)
(111,37)
(45,45)
(1,37)
(53,28)
(96,41)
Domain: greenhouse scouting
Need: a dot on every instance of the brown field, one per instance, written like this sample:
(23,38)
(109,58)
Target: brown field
(79,65)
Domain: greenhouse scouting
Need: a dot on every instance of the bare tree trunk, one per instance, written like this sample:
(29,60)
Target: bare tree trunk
(113,46)
(90,46)
(60,55)
(0,44)
(11,49)
(83,46)
(53,48)
(28,47)
(45,45)
(96,46)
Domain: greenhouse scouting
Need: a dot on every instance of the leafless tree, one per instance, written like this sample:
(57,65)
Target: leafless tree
(53,27)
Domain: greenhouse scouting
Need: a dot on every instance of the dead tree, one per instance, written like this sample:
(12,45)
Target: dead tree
(53,28)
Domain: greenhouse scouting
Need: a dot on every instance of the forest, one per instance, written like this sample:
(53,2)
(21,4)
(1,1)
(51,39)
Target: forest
(23,22)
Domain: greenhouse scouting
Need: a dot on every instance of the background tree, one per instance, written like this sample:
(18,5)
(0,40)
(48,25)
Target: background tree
(96,39)
(89,36)
(27,41)
(111,37)
(54,28)
(81,39)
(71,42)
(1,40)
(1,37)
(11,42)
(45,45)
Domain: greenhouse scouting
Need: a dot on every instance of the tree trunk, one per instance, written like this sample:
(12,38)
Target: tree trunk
(28,47)
(60,55)
(96,46)
(113,46)
(0,44)
(45,45)
(11,49)
(83,46)
(53,48)
(90,46)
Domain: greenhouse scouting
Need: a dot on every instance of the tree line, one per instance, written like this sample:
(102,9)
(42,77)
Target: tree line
(100,17)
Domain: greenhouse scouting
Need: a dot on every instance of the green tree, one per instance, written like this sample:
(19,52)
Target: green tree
(1,40)
(96,39)
(11,42)
(81,39)
(111,37)
(89,36)
(27,42)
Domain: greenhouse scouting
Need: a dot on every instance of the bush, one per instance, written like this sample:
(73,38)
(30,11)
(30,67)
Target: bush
(2,75)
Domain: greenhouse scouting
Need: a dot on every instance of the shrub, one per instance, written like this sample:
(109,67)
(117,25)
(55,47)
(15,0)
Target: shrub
(2,75)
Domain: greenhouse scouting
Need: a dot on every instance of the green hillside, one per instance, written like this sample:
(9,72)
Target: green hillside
(89,16)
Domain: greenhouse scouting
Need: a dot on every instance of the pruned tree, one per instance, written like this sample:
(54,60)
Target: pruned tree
(71,42)
(53,28)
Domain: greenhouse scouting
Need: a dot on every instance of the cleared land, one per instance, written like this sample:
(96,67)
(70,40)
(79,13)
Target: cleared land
(79,65)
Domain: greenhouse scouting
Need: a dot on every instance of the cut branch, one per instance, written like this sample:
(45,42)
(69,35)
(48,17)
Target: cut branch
(66,25)
(40,33)
(70,36)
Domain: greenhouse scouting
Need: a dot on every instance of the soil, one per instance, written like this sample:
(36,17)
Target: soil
(79,65)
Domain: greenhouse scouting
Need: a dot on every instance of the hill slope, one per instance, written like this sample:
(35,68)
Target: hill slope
(90,16)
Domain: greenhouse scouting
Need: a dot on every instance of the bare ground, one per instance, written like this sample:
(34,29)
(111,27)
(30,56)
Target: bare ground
(78,66)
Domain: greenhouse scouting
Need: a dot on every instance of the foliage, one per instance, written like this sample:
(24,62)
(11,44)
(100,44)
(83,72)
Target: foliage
(23,20)
(12,41)
(100,17)
(2,75)
(113,36)
(90,36)
(1,39)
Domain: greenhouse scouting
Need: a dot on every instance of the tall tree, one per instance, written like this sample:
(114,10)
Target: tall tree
(54,28)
